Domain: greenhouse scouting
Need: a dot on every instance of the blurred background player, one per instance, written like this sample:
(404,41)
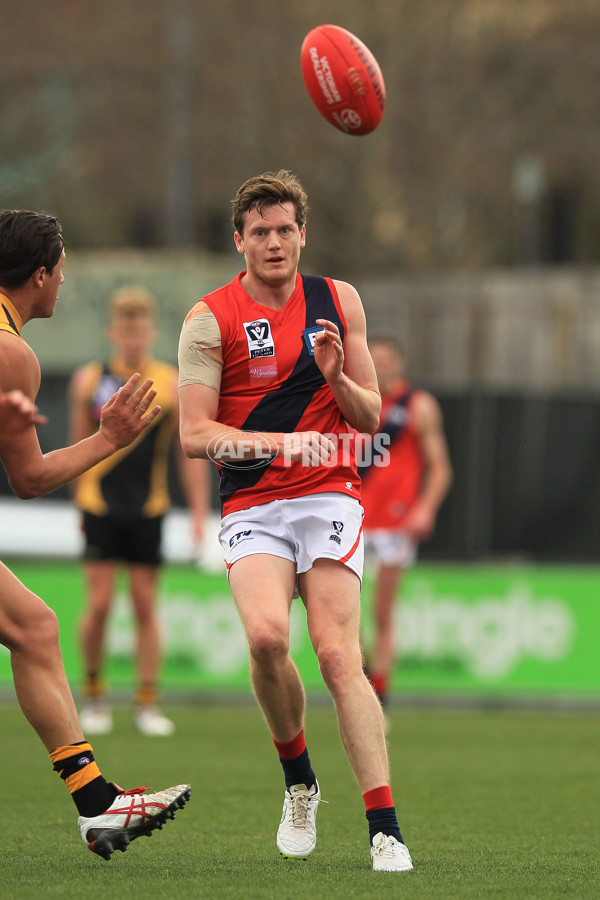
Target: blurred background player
(123,501)
(31,263)
(401,499)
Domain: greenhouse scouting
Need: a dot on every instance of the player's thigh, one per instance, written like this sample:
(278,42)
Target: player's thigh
(331,593)
(262,586)
(23,615)
(100,576)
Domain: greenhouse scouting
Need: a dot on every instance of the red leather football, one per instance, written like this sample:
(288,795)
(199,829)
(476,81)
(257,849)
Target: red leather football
(343,79)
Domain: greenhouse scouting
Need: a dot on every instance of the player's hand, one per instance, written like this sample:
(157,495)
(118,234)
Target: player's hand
(18,412)
(419,522)
(126,415)
(328,350)
(308,447)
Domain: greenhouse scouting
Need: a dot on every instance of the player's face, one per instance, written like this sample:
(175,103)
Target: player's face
(388,365)
(132,336)
(271,243)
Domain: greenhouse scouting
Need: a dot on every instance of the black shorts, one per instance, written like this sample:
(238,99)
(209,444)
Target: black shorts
(133,539)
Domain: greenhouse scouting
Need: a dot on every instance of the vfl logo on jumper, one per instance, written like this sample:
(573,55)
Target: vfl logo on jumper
(107,386)
(398,416)
(260,340)
(309,335)
(336,528)
(239,537)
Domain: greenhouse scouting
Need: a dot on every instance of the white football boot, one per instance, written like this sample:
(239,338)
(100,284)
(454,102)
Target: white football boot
(95,717)
(390,855)
(297,832)
(150,721)
(131,814)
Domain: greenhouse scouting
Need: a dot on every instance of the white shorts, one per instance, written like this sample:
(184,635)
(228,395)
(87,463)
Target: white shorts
(303,529)
(390,548)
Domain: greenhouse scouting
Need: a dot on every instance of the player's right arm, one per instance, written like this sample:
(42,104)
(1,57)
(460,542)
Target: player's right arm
(201,434)
(437,474)
(32,473)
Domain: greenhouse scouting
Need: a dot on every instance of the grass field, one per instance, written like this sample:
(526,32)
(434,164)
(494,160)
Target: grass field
(492,804)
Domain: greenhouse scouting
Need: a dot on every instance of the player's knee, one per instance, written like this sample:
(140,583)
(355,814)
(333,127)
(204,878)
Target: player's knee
(267,645)
(35,632)
(47,627)
(336,665)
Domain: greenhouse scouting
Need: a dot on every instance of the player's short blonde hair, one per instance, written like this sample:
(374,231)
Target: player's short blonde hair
(131,301)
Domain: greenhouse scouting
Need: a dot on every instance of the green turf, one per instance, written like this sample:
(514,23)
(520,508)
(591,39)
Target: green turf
(491,805)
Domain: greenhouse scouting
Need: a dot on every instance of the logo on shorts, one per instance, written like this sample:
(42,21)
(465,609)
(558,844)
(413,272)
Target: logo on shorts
(336,530)
(260,339)
(239,537)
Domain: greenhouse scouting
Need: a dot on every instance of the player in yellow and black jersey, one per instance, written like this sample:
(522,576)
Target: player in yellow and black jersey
(123,501)
(32,257)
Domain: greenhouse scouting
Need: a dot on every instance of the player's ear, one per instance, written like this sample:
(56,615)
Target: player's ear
(38,276)
(303,236)
(239,243)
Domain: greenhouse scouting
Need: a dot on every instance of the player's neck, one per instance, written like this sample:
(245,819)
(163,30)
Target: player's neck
(397,386)
(273,295)
(138,362)
(20,301)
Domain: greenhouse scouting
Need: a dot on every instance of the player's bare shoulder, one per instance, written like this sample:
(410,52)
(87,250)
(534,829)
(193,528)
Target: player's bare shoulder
(425,410)
(82,378)
(199,309)
(19,366)
(350,302)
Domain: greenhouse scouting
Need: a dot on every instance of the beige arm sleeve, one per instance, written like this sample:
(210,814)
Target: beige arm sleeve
(196,366)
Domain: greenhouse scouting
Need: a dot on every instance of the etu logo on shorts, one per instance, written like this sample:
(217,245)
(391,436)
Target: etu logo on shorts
(309,335)
(239,537)
(337,528)
(260,339)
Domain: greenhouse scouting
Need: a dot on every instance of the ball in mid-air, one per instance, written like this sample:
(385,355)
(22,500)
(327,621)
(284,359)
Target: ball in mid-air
(343,79)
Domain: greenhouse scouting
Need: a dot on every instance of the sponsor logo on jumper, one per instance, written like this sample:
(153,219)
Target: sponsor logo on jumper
(239,537)
(260,339)
(309,335)
(234,449)
(336,529)
(263,370)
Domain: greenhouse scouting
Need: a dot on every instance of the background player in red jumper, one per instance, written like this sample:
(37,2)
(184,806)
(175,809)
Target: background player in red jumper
(274,373)
(401,499)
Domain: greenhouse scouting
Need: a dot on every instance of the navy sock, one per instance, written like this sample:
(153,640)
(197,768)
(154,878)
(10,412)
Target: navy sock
(383,820)
(298,770)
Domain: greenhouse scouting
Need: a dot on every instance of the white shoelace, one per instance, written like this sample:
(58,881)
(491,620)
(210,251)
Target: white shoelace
(300,806)
(382,846)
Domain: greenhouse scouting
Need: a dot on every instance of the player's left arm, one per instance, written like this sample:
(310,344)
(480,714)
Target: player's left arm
(349,369)
(194,476)
(437,473)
